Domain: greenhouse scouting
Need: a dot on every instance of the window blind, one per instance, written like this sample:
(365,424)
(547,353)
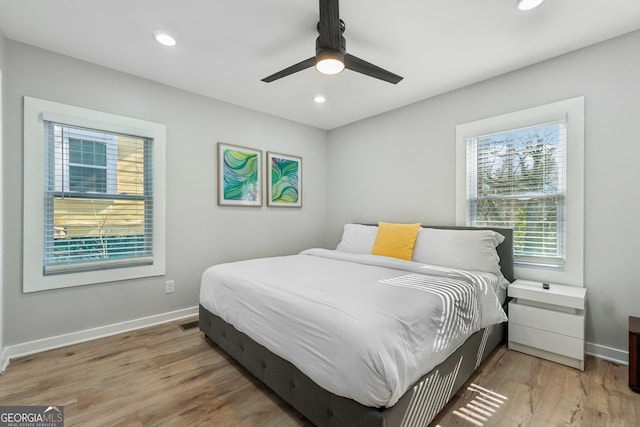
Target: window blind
(517,179)
(98,199)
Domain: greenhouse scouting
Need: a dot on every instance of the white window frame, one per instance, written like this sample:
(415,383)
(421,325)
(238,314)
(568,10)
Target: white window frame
(572,272)
(36,111)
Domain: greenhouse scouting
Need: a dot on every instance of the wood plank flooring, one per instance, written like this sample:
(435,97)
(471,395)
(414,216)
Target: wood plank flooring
(167,376)
(536,392)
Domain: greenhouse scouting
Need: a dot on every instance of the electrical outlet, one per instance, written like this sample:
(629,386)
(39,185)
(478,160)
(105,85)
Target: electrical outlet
(170,287)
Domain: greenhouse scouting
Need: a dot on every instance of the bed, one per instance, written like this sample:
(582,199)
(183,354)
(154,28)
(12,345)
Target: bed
(342,367)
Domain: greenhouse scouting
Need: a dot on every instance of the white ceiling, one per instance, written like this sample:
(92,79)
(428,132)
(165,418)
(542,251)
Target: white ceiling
(225,47)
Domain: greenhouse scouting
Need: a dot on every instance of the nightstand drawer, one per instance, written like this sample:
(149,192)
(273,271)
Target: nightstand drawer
(558,322)
(545,340)
(567,297)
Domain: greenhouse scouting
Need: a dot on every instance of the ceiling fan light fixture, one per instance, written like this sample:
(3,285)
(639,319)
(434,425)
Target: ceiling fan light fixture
(329,63)
(528,4)
(329,66)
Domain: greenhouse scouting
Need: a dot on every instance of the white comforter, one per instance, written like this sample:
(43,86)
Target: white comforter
(361,326)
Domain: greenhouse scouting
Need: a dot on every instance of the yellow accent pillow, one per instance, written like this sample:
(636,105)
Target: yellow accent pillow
(395,240)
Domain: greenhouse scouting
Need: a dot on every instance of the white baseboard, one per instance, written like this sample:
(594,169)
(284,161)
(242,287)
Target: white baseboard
(4,359)
(27,348)
(611,354)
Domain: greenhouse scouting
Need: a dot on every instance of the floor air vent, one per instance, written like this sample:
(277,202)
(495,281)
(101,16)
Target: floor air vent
(190,325)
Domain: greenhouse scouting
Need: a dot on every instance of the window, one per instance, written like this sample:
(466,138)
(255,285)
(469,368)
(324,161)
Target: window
(95,211)
(525,170)
(516,179)
(97,203)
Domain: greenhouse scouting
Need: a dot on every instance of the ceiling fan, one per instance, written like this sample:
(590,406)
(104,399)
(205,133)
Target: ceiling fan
(331,53)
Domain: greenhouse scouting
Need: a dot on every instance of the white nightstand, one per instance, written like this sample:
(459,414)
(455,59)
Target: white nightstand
(548,323)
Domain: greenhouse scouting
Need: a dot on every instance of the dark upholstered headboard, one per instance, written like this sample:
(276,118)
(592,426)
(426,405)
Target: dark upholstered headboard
(504,249)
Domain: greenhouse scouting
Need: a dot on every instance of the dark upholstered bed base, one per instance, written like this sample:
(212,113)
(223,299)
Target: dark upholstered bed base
(417,407)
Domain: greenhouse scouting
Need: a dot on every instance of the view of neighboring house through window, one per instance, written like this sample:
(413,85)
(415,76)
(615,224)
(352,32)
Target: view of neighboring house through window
(98,199)
(516,179)
(87,166)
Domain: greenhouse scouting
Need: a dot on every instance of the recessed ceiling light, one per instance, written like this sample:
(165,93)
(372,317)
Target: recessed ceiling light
(319,99)
(528,4)
(164,38)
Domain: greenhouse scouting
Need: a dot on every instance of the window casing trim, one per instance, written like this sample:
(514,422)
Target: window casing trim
(36,111)
(572,272)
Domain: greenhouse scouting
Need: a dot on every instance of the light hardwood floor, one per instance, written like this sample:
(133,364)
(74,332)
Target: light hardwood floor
(164,375)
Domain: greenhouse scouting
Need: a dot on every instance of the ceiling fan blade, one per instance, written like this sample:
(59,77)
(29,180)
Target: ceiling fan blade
(329,25)
(361,66)
(290,70)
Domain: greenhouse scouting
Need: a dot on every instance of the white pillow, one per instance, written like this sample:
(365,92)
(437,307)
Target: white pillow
(473,250)
(358,238)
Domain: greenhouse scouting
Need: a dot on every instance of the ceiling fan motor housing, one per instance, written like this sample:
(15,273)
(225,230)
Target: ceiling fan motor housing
(323,52)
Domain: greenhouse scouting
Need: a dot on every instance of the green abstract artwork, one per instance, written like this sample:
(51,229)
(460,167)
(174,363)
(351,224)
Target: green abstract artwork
(284,180)
(239,178)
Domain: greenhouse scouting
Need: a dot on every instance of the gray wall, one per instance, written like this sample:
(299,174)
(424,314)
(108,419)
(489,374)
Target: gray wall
(400,166)
(2,89)
(199,233)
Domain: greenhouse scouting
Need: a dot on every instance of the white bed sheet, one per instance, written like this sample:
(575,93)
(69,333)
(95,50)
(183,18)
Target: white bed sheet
(361,326)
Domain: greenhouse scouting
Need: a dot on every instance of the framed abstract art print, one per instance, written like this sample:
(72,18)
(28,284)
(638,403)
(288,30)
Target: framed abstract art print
(284,180)
(239,176)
